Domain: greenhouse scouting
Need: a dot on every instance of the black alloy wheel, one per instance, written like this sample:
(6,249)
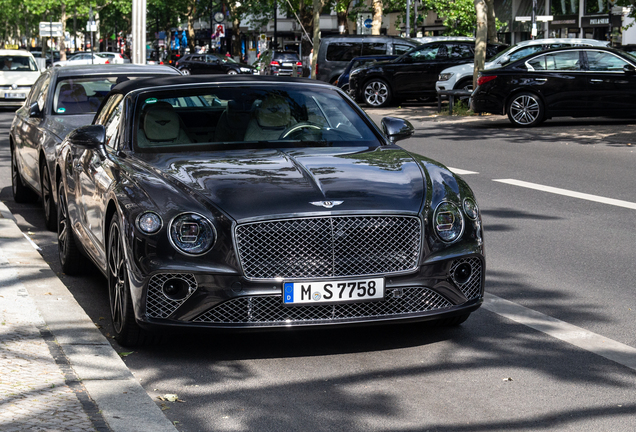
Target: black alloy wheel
(48,205)
(21,192)
(377,93)
(464,84)
(185,71)
(525,110)
(127,331)
(71,259)
(232,72)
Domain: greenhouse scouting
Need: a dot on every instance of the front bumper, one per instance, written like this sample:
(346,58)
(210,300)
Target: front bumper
(232,302)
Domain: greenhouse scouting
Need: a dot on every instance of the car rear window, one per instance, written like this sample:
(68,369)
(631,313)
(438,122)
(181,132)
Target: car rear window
(343,51)
(247,116)
(286,57)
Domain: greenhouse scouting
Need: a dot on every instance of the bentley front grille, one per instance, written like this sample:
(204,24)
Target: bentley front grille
(471,287)
(329,246)
(160,305)
(270,310)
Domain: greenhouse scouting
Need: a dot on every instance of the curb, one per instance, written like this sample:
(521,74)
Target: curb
(122,401)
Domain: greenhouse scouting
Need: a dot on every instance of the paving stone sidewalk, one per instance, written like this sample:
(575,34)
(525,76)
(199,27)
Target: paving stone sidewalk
(37,390)
(57,371)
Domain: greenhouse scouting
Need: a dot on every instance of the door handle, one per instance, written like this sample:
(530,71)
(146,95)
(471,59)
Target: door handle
(596,80)
(541,79)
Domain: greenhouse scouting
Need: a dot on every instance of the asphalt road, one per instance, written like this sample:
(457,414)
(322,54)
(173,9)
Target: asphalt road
(566,257)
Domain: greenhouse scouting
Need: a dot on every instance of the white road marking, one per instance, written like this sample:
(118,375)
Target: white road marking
(461,171)
(592,342)
(565,192)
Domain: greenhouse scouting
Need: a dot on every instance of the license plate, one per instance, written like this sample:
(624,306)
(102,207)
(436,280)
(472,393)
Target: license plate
(287,64)
(14,96)
(333,291)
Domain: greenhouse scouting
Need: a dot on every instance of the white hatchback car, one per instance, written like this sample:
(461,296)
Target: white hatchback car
(461,77)
(18,72)
(84,58)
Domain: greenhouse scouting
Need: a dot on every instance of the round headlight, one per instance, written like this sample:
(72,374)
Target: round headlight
(471,209)
(448,222)
(149,222)
(192,234)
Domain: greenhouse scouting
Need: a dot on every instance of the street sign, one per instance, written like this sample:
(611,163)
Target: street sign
(545,17)
(91,26)
(50,29)
(523,18)
(542,18)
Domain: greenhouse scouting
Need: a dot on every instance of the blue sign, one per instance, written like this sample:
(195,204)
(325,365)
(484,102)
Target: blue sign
(368,22)
(288,293)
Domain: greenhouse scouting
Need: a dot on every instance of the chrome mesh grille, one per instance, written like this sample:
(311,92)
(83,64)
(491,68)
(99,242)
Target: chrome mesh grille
(269,310)
(160,306)
(472,287)
(329,246)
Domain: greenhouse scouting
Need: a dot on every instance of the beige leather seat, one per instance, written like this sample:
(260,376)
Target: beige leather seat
(270,119)
(160,126)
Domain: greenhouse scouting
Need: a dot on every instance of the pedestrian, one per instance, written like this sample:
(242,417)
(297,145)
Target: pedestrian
(311,57)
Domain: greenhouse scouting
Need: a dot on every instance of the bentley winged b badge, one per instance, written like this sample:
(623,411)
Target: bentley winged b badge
(326,204)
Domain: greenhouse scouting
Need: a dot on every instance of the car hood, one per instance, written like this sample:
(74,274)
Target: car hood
(61,125)
(259,183)
(22,78)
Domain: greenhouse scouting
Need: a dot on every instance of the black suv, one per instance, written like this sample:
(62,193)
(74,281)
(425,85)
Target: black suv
(281,63)
(412,75)
(199,64)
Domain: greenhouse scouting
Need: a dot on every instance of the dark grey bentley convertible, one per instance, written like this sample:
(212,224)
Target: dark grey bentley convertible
(258,202)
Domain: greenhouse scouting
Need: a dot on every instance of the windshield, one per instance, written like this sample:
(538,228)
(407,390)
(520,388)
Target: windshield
(18,63)
(247,116)
(85,95)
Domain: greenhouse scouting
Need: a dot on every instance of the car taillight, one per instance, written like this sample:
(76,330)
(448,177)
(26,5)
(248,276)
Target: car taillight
(484,79)
(274,63)
(161,62)
(299,63)
(107,62)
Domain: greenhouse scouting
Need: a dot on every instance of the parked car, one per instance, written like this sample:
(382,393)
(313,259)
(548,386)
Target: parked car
(262,202)
(281,63)
(61,100)
(413,74)
(115,57)
(578,82)
(18,72)
(343,79)
(84,58)
(197,64)
(461,77)
(337,51)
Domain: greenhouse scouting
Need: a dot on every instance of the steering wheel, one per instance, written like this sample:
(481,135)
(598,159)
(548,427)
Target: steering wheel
(299,126)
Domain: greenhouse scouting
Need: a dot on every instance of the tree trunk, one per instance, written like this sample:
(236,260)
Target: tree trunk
(236,35)
(192,11)
(492,22)
(316,36)
(377,17)
(481,33)
(343,24)
(62,39)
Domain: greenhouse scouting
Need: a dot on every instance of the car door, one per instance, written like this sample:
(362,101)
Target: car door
(611,89)
(413,73)
(34,134)
(213,65)
(93,177)
(560,78)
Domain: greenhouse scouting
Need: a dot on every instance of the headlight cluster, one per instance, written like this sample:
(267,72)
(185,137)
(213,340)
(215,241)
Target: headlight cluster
(192,234)
(444,76)
(149,222)
(246,70)
(448,219)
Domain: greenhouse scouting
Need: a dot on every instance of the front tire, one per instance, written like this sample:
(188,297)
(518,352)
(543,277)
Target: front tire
(21,192)
(71,259)
(48,204)
(232,72)
(377,93)
(185,71)
(127,331)
(525,110)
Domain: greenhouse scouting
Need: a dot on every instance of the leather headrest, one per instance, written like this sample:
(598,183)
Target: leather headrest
(161,122)
(274,112)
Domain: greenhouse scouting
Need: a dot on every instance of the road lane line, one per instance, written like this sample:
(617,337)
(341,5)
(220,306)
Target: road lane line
(565,192)
(461,171)
(577,336)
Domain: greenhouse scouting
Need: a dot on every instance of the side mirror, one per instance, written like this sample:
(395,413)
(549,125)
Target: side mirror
(629,69)
(91,137)
(34,110)
(396,129)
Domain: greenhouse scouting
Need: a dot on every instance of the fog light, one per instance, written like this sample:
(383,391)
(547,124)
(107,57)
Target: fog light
(462,273)
(175,289)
